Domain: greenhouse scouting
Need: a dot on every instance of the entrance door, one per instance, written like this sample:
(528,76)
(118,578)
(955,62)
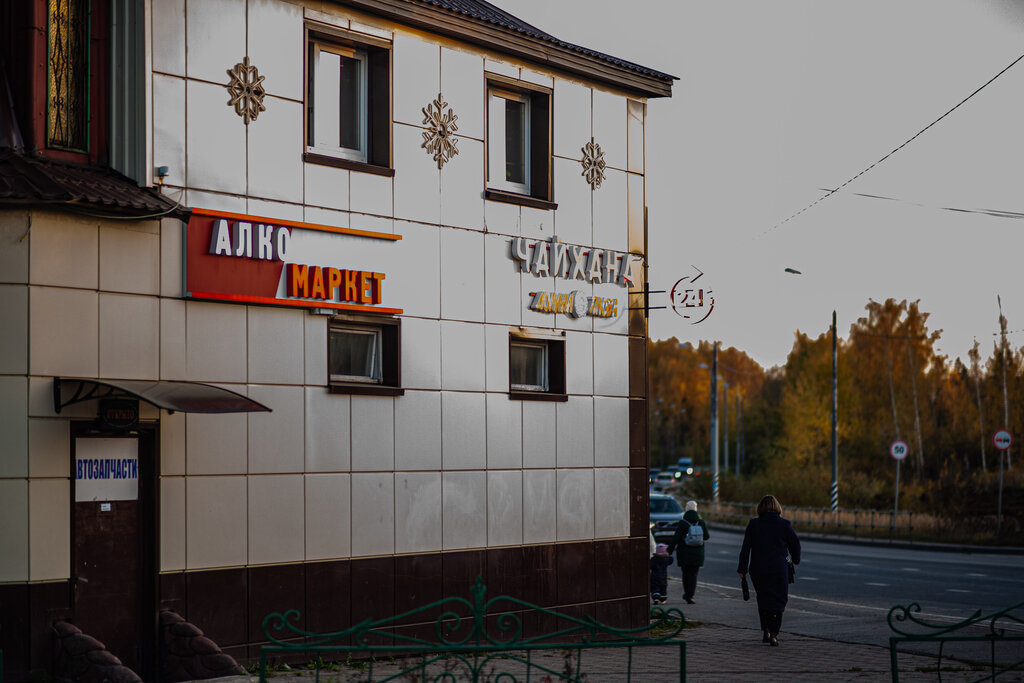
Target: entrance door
(106,545)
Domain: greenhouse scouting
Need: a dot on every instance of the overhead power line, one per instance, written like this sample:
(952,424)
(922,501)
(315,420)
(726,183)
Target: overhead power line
(897,149)
(998,213)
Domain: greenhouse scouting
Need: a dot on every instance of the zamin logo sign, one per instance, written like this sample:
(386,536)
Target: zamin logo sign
(574,304)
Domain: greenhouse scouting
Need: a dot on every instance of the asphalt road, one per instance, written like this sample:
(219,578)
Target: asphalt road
(844,592)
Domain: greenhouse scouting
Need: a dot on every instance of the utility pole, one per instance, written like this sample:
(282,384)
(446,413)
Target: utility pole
(739,438)
(714,423)
(725,425)
(1003,454)
(835,419)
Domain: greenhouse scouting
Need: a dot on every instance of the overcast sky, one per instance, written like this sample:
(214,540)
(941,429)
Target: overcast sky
(780,99)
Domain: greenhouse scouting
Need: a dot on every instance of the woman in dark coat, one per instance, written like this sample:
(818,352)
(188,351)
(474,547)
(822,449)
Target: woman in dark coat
(767,541)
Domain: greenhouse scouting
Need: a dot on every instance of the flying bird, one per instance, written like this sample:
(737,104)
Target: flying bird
(794,271)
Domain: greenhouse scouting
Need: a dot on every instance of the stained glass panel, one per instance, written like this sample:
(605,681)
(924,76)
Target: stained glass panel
(67,74)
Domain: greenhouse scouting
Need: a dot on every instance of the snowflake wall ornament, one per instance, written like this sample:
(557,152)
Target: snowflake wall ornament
(439,138)
(246,89)
(593,164)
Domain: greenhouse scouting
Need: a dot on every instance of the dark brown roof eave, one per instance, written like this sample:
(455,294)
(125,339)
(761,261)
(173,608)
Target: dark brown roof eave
(559,57)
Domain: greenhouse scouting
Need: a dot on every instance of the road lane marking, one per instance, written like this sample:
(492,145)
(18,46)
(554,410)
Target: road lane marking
(808,578)
(979,576)
(956,590)
(914,569)
(946,617)
(852,564)
(872,583)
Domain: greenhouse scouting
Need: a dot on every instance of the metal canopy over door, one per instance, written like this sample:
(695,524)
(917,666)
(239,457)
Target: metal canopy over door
(113,563)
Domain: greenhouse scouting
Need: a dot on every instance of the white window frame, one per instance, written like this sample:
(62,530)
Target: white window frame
(545,386)
(376,361)
(325,117)
(496,98)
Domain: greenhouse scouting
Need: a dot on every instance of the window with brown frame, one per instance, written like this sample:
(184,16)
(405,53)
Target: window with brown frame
(364,356)
(348,111)
(536,369)
(519,144)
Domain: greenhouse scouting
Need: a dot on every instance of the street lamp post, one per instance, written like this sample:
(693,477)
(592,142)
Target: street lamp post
(725,425)
(714,423)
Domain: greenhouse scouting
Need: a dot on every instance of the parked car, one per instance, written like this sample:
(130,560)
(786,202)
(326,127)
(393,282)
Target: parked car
(665,515)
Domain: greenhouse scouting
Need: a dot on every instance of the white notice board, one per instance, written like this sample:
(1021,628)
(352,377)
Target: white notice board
(106,469)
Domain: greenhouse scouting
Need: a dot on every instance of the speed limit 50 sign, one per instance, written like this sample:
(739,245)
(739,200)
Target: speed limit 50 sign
(898,450)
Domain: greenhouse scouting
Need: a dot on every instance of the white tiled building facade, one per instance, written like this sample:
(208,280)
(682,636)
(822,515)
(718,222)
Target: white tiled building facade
(351,498)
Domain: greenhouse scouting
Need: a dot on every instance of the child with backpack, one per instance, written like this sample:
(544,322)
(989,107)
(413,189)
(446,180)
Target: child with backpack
(689,541)
(659,574)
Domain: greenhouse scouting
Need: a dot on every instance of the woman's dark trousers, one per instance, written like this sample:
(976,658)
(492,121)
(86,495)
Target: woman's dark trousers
(690,580)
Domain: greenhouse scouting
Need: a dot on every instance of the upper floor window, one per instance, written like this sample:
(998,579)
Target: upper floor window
(348,112)
(519,144)
(536,368)
(67,75)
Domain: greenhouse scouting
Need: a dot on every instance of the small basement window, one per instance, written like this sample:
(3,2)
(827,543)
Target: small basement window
(364,357)
(536,369)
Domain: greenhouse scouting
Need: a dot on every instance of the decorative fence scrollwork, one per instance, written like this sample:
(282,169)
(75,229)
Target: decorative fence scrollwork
(1000,633)
(473,640)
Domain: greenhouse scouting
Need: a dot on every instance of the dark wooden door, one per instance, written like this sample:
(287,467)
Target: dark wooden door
(106,544)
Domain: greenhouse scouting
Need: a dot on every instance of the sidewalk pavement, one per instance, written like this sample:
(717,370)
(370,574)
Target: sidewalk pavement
(722,646)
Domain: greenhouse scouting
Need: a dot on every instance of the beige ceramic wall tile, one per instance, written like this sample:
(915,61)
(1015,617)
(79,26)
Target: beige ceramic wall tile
(49,529)
(611,432)
(417,512)
(328,431)
(611,491)
(421,353)
(53,311)
(463,87)
(130,258)
(462,356)
(215,135)
(40,400)
(168,41)
(501,282)
(211,49)
(274,142)
(129,336)
(575,504)
(276,519)
(464,503)
(462,187)
(14,331)
(169,130)
(416,287)
(373,514)
(172,523)
(315,343)
(636,112)
(539,520)
(275,46)
(14,227)
(276,439)
(579,363)
(463,433)
(611,365)
(216,534)
(328,500)
(64,251)
(276,342)
(215,342)
(416,79)
(504,432)
(610,216)
(172,339)
(462,273)
(13,426)
(610,127)
(373,433)
(538,434)
(418,431)
(636,203)
(170,257)
(504,508)
(574,420)
(49,448)
(417,185)
(14,529)
(326,186)
(215,444)
(172,443)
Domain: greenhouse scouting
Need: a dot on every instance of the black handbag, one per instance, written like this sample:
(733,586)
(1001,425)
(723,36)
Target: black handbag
(746,587)
(791,569)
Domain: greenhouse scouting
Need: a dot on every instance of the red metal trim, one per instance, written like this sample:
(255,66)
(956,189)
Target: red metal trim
(291,302)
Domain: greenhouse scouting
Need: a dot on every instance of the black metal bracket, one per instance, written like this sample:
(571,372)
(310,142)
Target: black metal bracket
(647,308)
(82,393)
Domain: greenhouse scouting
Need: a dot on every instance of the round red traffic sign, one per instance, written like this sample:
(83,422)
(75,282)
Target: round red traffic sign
(1002,439)
(898,450)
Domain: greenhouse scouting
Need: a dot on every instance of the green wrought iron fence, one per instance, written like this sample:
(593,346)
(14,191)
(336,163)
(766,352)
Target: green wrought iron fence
(480,640)
(878,524)
(998,637)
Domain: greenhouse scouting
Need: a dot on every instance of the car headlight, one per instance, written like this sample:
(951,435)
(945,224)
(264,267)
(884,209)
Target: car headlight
(689,470)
